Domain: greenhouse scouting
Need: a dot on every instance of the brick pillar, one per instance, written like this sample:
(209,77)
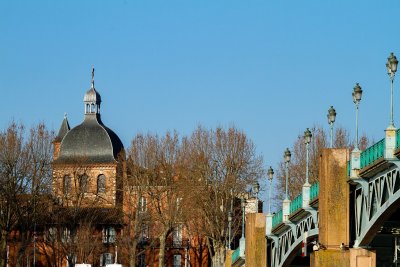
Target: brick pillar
(334,212)
(256,243)
(362,258)
(228,258)
(330,258)
(333,209)
(334,198)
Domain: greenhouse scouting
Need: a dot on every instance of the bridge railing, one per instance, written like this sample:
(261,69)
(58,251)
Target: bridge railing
(235,255)
(314,191)
(372,154)
(398,138)
(349,168)
(277,218)
(296,204)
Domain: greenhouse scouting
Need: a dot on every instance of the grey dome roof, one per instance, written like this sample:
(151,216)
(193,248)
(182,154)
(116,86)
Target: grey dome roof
(90,141)
(92,96)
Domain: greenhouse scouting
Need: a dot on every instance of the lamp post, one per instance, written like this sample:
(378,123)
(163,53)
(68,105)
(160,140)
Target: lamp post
(256,189)
(391,66)
(287,156)
(230,228)
(270,176)
(307,140)
(243,210)
(357,93)
(331,119)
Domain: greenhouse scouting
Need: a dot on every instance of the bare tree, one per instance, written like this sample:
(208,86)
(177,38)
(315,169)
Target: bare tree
(135,238)
(155,171)
(221,164)
(25,175)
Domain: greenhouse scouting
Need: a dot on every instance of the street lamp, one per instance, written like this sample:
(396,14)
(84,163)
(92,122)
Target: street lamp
(256,189)
(331,119)
(287,156)
(230,228)
(391,66)
(357,93)
(243,210)
(307,140)
(270,176)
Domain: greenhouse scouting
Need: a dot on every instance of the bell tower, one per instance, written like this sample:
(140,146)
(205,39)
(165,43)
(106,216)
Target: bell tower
(92,99)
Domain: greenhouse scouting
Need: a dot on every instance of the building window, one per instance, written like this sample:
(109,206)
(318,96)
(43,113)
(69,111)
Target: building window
(66,185)
(177,236)
(101,183)
(177,260)
(67,235)
(51,235)
(83,183)
(106,258)
(142,204)
(109,235)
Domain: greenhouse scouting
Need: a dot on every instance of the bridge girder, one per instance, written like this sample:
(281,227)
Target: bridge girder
(375,199)
(285,244)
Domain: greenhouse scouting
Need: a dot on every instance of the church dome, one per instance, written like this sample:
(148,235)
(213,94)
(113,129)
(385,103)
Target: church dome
(91,141)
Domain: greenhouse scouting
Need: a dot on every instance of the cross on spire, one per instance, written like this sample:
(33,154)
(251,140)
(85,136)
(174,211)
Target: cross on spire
(92,77)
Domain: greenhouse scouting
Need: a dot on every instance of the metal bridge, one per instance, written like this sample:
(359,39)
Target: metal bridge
(362,204)
(374,182)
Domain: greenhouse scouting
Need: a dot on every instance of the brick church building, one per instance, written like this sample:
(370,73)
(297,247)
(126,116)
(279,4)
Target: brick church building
(87,221)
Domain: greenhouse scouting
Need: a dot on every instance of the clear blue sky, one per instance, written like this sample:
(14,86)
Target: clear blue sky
(272,68)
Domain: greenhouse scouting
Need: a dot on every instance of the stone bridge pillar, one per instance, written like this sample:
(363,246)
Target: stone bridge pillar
(334,216)
(256,243)
(334,202)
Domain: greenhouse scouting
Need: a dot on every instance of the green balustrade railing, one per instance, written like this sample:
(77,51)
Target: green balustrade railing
(277,218)
(349,168)
(296,203)
(398,138)
(314,191)
(373,153)
(235,255)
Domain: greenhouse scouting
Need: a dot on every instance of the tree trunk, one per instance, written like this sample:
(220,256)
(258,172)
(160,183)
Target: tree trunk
(23,248)
(3,247)
(218,260)
(132,253)
(161,254)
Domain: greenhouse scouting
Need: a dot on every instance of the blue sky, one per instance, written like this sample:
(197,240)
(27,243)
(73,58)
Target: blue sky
(271,68)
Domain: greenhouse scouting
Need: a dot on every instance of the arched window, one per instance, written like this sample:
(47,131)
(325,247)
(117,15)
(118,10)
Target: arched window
(66,184)
(101,183)
(87,108)
(83,183)
(93,109)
